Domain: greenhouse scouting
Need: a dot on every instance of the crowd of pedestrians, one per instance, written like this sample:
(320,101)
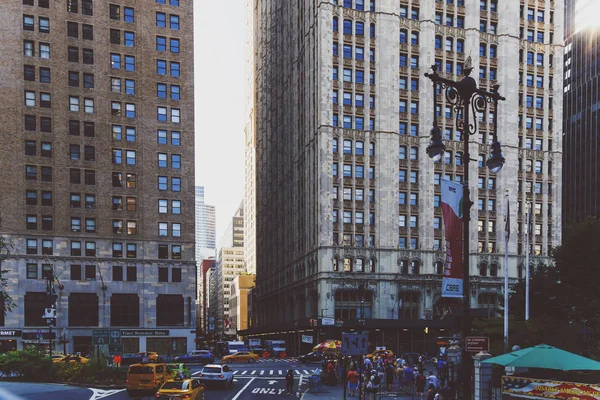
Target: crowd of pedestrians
(366,377)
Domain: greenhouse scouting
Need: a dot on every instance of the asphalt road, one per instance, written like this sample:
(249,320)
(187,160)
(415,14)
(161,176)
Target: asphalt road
(258,381)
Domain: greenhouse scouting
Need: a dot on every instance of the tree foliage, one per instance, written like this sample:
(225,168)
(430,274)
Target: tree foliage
(564,296)
(6,302)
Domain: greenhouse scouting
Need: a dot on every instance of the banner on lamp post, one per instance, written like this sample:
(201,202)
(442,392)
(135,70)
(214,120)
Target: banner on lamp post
(452,206)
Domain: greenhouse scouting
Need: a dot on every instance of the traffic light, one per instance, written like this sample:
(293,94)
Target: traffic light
(313,322)
(426,329)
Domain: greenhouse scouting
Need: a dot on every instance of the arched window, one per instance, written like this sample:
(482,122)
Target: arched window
(404,267)
(448,157)
(438,42)
(371,149)
(359,148)
(494,270)
(449,43)
(335,24)
(372,30)
(402,153)
(483,269)
(403,35)
(414,153)
(347,27)
(414,38)
(359,265)
(335,145)
(458,158)
(336,264)
(371,266)
(439,267)
(416,267)
(347,264)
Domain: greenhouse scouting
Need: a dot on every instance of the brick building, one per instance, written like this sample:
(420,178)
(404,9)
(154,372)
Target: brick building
(97,158)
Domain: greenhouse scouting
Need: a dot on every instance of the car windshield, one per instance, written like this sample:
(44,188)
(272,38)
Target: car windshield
(175,385)
(211,370)
(138,369)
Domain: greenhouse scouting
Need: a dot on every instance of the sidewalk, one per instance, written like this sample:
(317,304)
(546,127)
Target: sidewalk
(337,393)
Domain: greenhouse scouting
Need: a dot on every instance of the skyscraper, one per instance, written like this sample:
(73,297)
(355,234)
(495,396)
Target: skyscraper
(581,188)
(98,161)
(348,216)
(206,227)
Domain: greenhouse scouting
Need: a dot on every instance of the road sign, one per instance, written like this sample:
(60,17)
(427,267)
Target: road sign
(307,339)
(115,336)
(100,336)
(354,344)
(475,344)
(327,321)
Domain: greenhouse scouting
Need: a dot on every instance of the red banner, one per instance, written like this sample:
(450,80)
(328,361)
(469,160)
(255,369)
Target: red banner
(452,198)
(530,388)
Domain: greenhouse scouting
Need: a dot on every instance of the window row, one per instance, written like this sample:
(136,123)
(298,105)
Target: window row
(174,3)
(357,217)
(163,41)
(162,114)
(171,68)
(533,35)
(359,27)
(403,83)
(162,137)
(29,74)
(539,81)
(119,61)
(87,31)
(89,176)
(29,24)
(405,61)
(405,221)
(77,79)
(437,178)
(163,229)
(359,194)
(414,12)
(35,222)
(173,92)
(349,122)
(448,44)
(408,243)
(31,173)
(354,265)
(358,99)
(357,147)
(122,85)
(33,198)
(47,246)
(413,153)
(359,171)
(31,99)
(163,206)
(122,37)
(126,180)
(87,55)
(161,20)
(486,50)
(120,227)
(75,104)
(31,148)
(358,74)
(116,109)
(411,199)
(356,4)
(405,176)
(450,20)
(357,240)
(40,3)
(403,129)
(359,51)
(87,7)
(125,14)
(129,134)
(29,49)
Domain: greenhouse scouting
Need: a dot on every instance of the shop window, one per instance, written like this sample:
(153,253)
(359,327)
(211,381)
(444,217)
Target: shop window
(83,309)
(125,310)
(34,304)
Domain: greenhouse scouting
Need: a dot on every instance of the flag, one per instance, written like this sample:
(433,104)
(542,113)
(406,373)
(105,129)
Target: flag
(452,207)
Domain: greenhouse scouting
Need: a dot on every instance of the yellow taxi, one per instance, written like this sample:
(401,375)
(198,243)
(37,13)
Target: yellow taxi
(241,356)
(149,356)
(380,353)
(181,389)
(70,359)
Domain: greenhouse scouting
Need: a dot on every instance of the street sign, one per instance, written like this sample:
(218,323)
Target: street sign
(354,344)
(115,336)
(100,336)
(307,339)
(327,321)
(475,344)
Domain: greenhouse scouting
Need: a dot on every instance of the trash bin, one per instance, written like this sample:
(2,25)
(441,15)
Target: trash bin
(314,383)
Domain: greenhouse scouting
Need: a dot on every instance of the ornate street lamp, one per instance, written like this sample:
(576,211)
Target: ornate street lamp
(465,98)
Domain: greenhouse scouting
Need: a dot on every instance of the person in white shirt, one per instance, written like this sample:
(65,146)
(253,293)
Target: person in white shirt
(432,379)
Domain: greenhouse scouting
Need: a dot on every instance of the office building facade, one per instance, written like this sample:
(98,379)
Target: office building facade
(348,216)
(98,161)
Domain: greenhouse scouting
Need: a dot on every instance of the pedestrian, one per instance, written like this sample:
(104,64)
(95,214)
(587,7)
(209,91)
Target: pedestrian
(331,373)
(289,381)
(432,379)
(389,376)
(352,382)
(420,385)
(374,383)
(431,393)
(408,377)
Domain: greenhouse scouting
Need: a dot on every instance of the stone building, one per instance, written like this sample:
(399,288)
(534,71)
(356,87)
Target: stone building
(97,156)
(348,216)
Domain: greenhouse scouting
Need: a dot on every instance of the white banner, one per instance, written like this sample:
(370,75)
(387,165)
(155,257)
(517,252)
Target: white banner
(307,339)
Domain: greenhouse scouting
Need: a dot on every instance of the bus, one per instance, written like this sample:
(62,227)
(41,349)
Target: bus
(275,347)
(235,346)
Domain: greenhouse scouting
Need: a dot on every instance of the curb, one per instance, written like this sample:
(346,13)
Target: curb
(93,386)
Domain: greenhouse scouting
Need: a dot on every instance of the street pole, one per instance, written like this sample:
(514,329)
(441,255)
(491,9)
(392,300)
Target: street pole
(464,96)
(527,227)
(506,237)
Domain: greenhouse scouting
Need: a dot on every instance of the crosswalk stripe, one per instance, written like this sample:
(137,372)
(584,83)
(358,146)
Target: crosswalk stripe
(244,372)
(235,372)
(252,373)
(306,372)
(280,372)
(298,372)
(262,372)
(271,372)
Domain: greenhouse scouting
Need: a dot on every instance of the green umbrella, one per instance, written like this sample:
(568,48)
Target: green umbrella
(545,356)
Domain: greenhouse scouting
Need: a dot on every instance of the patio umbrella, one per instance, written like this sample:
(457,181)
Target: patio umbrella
(545,356)
(328,345)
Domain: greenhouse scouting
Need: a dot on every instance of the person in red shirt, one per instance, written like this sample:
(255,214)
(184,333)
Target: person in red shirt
(352,382)
(331,373)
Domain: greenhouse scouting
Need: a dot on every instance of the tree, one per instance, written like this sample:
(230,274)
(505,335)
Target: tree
(563,296)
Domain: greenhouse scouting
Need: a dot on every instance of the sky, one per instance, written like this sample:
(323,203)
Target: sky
(219,103)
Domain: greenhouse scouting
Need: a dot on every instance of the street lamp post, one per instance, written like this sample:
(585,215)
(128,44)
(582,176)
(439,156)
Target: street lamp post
(465,98)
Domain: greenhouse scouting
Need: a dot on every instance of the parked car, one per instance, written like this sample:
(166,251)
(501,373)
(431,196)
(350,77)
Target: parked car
(216,373)
(181,389)
(313,356)
(70,359)
(241,356)
(150,356)
(175,368)
(130,358)
(197,356)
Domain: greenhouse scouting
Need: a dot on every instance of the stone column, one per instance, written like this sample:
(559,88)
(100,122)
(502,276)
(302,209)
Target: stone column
(483,376)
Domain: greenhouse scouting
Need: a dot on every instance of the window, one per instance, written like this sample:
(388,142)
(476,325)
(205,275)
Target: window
(175,69)
(129,63)
(161,43)
(87,32)
(129,15)
(124,310)
(167,303)
(129,39)
(44,50)
(88,81)
(45,75)
(44,25)
(176,184)
(28,23)
(90,249)
(90,225)
(117,273)
(132,273)
(131,250)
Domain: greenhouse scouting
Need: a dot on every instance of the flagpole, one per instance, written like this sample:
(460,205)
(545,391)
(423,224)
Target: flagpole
(506,236)
(527,217)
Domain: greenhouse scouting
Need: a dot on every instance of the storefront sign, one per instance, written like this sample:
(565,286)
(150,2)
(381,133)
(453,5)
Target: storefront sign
(544,389)
(34,335)
(144,332)
(10,333)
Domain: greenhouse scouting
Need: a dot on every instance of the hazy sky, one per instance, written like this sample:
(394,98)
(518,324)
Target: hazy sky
(219,85)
